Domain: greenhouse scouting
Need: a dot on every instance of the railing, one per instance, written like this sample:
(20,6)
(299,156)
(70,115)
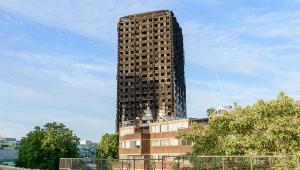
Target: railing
(108,164)
(3,167)
(180,163)
(231,162)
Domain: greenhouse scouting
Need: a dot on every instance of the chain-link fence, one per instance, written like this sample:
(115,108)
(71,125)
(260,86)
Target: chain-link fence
(230,163)
(109,164)
(181,163)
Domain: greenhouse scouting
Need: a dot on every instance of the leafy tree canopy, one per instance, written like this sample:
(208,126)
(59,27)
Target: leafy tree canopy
(210,111)
(43,147)
(108,146)
(265,128)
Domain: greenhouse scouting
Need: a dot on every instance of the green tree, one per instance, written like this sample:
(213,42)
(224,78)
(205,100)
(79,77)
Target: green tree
(265,128)
(108,147)
(43,147)
(210,111)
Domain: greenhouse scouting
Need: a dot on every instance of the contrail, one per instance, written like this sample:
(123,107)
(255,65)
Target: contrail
(219,83)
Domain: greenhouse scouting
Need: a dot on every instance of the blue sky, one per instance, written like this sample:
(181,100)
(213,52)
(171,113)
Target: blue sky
(58,58)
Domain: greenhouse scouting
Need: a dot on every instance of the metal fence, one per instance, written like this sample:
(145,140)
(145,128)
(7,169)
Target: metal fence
(3,167)
(109,164)
(180,163)
(234,162)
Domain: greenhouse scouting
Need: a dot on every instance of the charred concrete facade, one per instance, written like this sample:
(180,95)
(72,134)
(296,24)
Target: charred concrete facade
(150,66)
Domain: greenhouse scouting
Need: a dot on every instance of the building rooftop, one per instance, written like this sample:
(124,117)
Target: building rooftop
(200,120)
(145,14)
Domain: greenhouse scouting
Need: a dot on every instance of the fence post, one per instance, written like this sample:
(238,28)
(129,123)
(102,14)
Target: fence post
(251,163)
(71,163)
(223,164)
(286,162)
(122,163)
(134,163)
(162,162)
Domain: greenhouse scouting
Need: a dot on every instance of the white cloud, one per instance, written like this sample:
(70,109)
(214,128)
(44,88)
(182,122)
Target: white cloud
(85,127)
(50,88)
(104,87)
(92,18)
(273,24)
(288,81)
(220,49)
(206,94)
(9,90)
(91,67)
(70,62)
(256,42)
(13,129)
(95,76)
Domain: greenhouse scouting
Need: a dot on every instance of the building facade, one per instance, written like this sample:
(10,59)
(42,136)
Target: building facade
(87,149)
(154,140)
(8,150)
(7,143)
(150,67)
